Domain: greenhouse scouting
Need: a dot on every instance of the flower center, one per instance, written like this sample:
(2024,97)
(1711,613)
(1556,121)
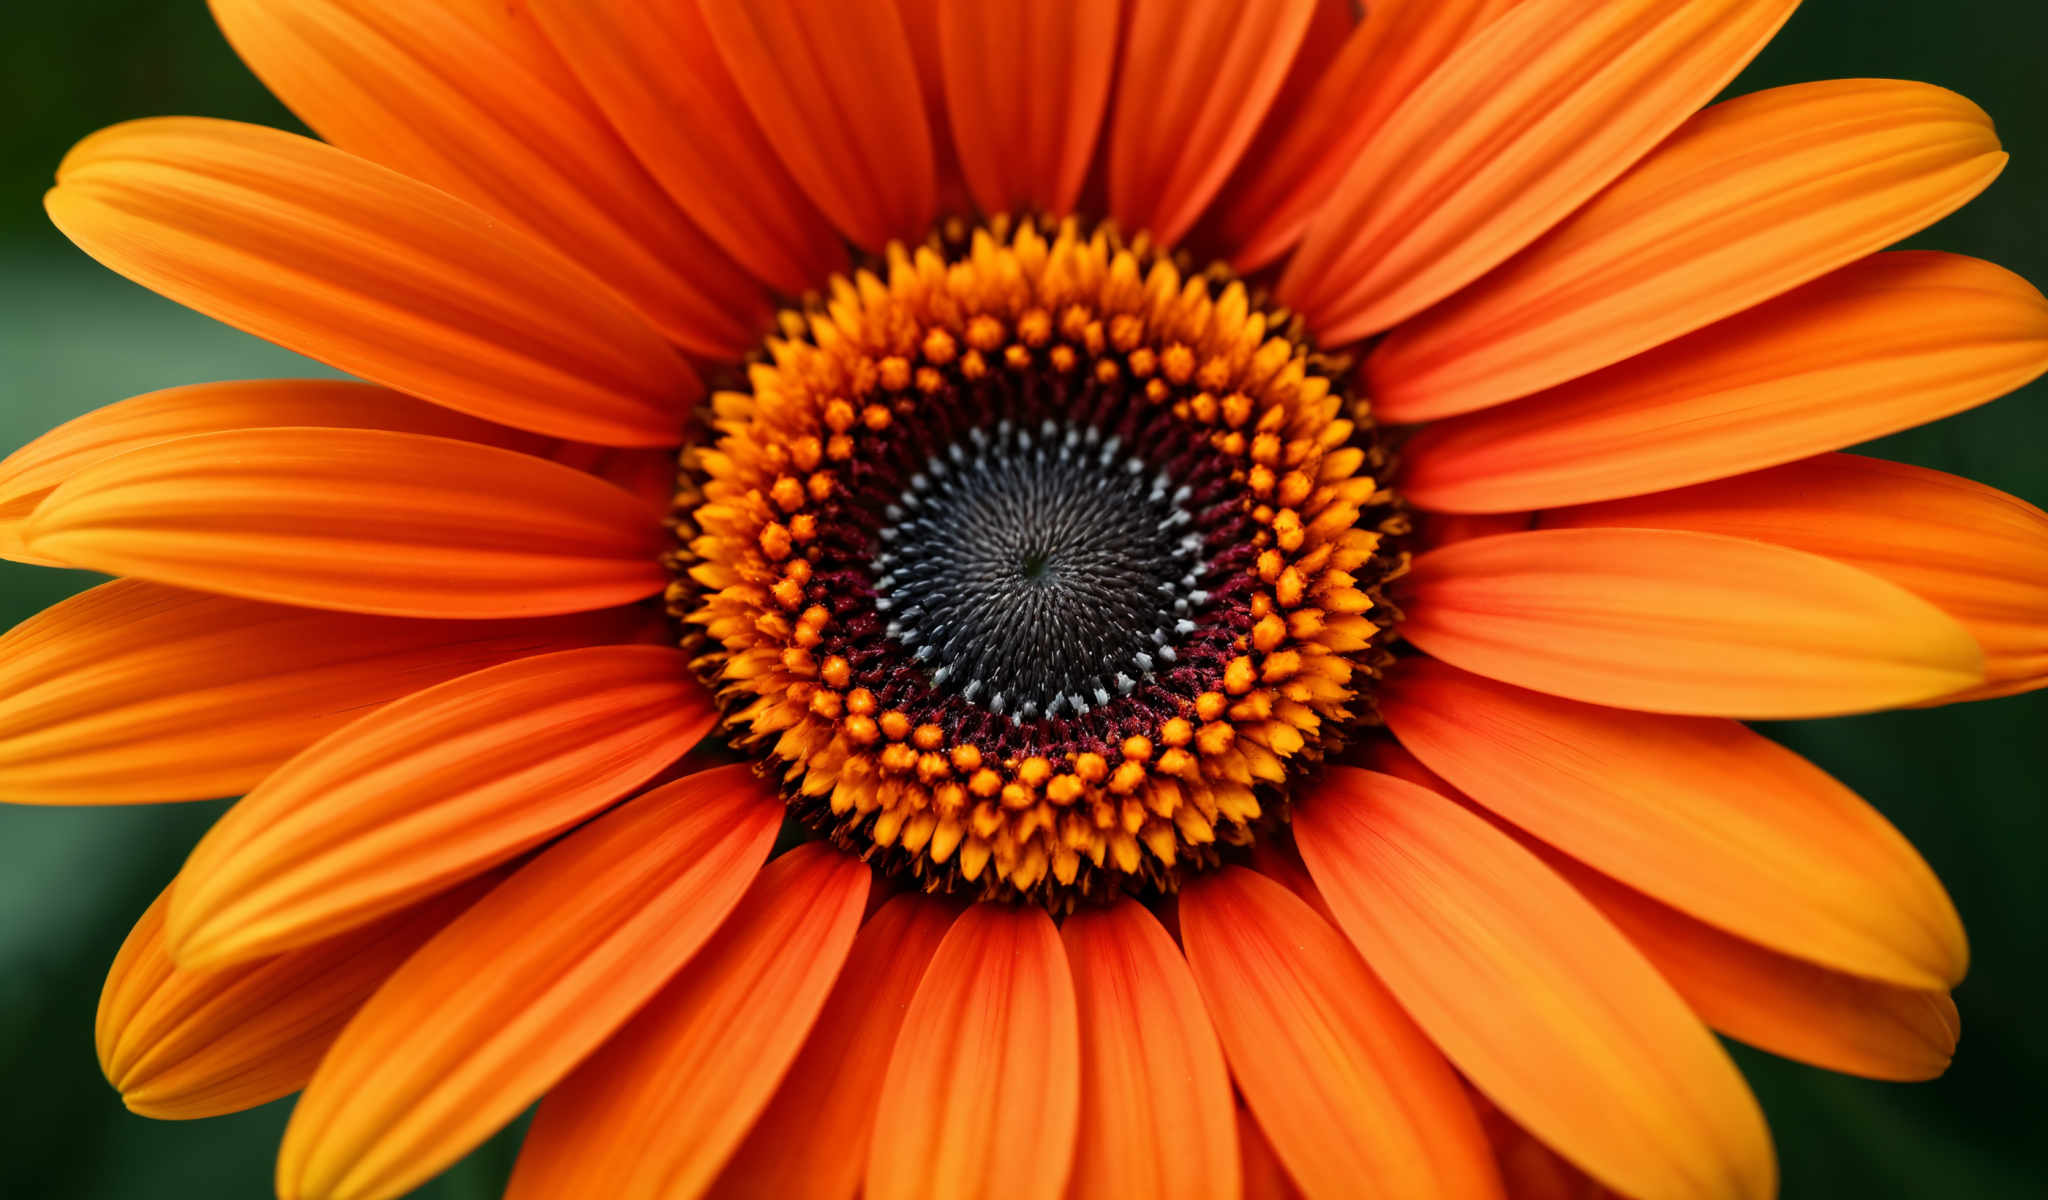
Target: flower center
(1041,570)
(1037,564)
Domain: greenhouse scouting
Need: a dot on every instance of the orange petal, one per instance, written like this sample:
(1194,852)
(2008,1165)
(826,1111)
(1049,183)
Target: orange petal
(656,74)
(32,472)
(519,989)
(1156,1112)
(811,1142)
(982,1094)
(1518,127)
(1750,198)
(1263,1176)
(1433,529)
(1977,553)
(358,520)
(1275,857)
(470,97)
(835,88)
(1351,1095)
(1196,78)
(1294,167)
(921,27)
(1681,622)
(1532,1170)
(1531,993)
(1026,84)
(1884,344)
(369,271)
(1784,1005)
(429,789)
(1699,812)
(179,1043)
(656,1112)
(134,693)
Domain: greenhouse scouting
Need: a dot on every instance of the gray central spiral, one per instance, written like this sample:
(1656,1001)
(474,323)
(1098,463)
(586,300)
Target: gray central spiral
(1039,572)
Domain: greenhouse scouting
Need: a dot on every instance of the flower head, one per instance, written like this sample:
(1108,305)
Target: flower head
(937,598)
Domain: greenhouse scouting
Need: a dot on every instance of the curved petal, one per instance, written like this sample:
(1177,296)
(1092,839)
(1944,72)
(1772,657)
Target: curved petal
(1531,993)
(382,276)
(1352,1097)
(1195,79)
(523,986)
(179,1044)
(982,1095)
(1433,529)
(35,470)
(1517,127)
(1975,552)
(810,1143)
(1884,344)
(921,26)
(1291,171)
(1773,1001)
(1156,1111)
(1787,1006)
(654,71)
(1680,622)
(835,88)
(430,789)
(358,520)
(469,96)
(1026,84)
(1749,199)
(1532,1170)
(135,693)
(656,1112)
(1699,812)
(1262,1175)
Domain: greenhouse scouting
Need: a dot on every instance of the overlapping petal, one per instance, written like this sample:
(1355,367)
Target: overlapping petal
(1295,165)
(178,1043)
(431,789)
(364,269)
(810,1143)
(1890,342)
(655,72)
(523,986)
(982,1094)
(1353,1098)
(469,96)
(136,693)
(1682,622)
(1749,199)
(656,1112)
(1263,1176)
(1974,551)
(1518,126)
(32,472)
(1541,1003)
(1195,78)
(1701,813)
(358,520)
(835,88)
(1026,84)
(1157,1117)
(1781,1004)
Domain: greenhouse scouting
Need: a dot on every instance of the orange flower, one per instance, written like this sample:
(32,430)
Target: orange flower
(1080,721)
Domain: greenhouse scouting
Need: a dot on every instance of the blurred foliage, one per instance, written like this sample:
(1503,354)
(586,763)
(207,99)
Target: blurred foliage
(1965,784)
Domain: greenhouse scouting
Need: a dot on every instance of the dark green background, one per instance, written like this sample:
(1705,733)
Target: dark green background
(1964,783)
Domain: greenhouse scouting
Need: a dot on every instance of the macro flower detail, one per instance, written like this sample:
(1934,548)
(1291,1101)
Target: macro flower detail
(1040,565)
(925,598)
